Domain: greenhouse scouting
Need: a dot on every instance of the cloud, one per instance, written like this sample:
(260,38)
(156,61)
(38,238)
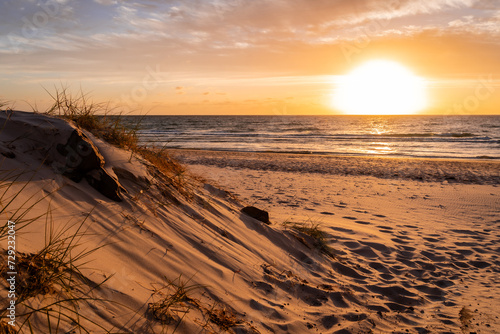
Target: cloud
(199,38)
(179,90)
(106,2)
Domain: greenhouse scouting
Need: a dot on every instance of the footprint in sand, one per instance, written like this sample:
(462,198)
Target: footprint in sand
(352,244)
(344,230)
(464,251)
(346,271)
(329,321)
(380,216)
(378,246)
(433,256)
(400,241)
(432,239)
(385,229)
(327,213)
(411,226)
(355,317)
(350,218)
(480,264)
(365,252)
(362,222)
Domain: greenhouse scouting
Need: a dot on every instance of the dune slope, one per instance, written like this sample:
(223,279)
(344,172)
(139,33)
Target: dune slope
(163,253)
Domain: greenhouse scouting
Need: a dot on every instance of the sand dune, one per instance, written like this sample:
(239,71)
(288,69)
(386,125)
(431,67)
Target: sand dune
(404,255)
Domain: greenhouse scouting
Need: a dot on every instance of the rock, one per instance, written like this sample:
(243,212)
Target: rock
(83,160)
(58,144)
(256,213)
(81,156)
(104,183)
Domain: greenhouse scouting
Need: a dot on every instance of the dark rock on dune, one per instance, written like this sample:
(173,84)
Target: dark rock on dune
(256,213)
(58,144)
(83,160)
(81,156)
(104,183)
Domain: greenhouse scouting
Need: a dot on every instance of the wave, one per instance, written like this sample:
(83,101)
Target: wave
(420,135)
(461,137)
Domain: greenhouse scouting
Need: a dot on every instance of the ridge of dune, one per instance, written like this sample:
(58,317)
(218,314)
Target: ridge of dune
(242,276)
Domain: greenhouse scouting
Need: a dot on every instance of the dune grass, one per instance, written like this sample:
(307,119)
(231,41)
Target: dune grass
(97,118)
(223,318)
(107,124)
(5,328)
(313,230)
(50,286)
(49,283)
(2,107)
(172,300)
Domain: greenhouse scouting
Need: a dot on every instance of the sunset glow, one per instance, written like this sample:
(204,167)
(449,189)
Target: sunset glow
(255,57)
(380,87)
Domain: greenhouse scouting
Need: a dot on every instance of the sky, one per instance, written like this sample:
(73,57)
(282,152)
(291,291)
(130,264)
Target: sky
(245,56)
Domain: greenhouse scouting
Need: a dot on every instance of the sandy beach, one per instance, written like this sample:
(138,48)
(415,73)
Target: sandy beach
(412,229)
(250,167)
(354,245)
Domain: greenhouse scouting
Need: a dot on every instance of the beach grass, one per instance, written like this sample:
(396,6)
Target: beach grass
(49,282)
(107,124)
(223,317)
(50,285)
(172,300)
(98,118)
(313,230)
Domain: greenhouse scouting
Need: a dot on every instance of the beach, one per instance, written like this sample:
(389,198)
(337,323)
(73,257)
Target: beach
(250,167)
(413,229)
(128,240)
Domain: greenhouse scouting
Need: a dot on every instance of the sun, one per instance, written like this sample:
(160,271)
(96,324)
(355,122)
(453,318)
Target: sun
(380,87)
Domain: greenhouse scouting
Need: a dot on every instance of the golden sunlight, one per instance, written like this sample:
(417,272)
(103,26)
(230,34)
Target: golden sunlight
(380,87)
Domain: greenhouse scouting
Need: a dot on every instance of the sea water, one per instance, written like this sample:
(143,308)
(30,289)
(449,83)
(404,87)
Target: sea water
(401,136)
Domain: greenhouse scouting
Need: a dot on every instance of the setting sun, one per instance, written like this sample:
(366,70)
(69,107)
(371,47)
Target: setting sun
(380,87)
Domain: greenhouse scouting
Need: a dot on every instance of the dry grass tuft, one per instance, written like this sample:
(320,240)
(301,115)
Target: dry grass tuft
(224,318)
(465,316)
(168,170)
(5,328)
(55,270)
(97,118)
(172,300)
(104,123)
(313,230)
(3,104)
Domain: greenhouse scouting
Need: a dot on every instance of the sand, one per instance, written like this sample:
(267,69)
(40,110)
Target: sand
(434,239)
(410,251)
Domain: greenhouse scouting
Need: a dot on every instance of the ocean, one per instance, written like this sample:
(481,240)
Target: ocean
(398,136)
